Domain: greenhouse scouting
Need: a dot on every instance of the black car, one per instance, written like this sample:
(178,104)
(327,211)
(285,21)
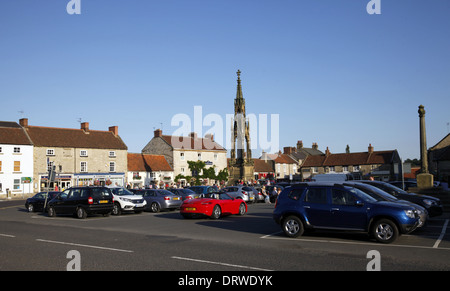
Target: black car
(432,204)
(81,201)
(36,203)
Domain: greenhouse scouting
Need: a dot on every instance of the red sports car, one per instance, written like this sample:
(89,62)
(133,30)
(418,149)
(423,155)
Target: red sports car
(214,206)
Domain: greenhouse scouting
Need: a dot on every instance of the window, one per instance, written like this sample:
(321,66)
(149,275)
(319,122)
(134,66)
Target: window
(199,156)
(112,166)
(0,149)
(112,154)
(50,152)
(316,195)
(315,169)
(0,166)
(332,169)
(182,156)
(342,197)
(17,150)
(16,184)
(83,153)
(16,166)
(295,194)
(83,166)
(215,157)
(345,168)
(356,168)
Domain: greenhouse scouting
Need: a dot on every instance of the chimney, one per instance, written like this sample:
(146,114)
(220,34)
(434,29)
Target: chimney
(157,133)
(114,129)
(370,148)
(299,144)
(327,152)
(23,122)
(209,136)
(315,146)
(288,150)
(85,126)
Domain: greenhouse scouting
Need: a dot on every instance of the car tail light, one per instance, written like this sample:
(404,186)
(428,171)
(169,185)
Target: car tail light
(166,198)
(90,200)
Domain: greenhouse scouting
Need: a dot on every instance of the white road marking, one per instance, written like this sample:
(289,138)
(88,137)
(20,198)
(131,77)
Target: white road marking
(7,235)
(219,263)
(270,236)
(86,246)
(444,229)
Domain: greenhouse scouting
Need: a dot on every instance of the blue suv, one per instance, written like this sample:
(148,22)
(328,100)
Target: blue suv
(320,205)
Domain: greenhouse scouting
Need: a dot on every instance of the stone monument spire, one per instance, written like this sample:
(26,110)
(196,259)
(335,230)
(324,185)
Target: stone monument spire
(424,179)
(241,163)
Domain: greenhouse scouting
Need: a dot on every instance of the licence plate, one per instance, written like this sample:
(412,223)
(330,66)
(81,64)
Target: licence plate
(103,201)
(190,208)
(176,198)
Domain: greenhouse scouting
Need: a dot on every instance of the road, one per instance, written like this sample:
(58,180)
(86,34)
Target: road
(166,242)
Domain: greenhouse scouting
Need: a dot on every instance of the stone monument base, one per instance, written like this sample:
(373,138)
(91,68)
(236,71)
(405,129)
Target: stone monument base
(424,180)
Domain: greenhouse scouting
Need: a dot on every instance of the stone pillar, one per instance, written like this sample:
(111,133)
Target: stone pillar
(424,179)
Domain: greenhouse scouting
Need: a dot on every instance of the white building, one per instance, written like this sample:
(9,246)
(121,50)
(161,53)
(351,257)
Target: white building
(145,170)
(16,161)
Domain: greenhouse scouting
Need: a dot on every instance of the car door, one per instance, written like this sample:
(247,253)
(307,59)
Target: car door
(346,213)
(316,206)
(59,204)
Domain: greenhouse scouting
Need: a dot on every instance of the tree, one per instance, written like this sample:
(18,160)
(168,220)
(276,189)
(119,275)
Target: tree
(196,168)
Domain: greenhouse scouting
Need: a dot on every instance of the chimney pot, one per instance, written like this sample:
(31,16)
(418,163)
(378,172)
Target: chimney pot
(85,126)
(23,122)
(114,130)
(157,133)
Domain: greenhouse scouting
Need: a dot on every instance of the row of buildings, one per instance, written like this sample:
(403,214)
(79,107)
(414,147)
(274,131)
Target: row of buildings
(100,157)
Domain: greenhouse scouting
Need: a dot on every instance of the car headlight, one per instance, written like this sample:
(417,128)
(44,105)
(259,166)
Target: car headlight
(410,213)
(125,199)
(429,202)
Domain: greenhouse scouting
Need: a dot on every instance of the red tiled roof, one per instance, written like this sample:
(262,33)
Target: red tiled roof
(363,158)
(284,159)
(261,166)
(13,134)
(78,138)
(147,163)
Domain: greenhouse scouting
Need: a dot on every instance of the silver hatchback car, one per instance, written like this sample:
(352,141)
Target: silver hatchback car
(242,192)
(159,199)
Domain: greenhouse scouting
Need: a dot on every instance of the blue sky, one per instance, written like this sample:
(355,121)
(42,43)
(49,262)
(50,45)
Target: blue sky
(335,74)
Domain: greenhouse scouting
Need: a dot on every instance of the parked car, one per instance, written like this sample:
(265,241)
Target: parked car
(204,189)
(339,207)
(127,201)
(241,192)
(432,204)
(158,199)
(82,201)
(381,195)
(405,185)
(36,203)
(214,205)
(184,193)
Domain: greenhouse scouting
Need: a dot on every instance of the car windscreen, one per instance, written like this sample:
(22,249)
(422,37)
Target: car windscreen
(362,195)
(121,191)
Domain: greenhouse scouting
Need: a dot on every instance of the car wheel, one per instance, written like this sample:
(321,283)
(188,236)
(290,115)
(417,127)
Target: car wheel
(217,212)
(116,209)
(155,207)
(51,211)
(81,213)
(30,207)
(292,226)
(385,231)
(242,209)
